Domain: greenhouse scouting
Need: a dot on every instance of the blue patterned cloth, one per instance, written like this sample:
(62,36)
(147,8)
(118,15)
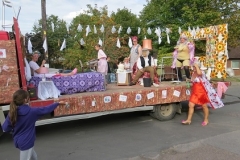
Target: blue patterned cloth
(82,82)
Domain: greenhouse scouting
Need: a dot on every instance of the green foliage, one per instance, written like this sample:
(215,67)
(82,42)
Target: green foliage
(157,13)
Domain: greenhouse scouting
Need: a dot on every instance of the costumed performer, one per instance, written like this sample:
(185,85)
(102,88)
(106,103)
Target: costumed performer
(202,94)
(135,52)
(36,69)
(102,61)
(183,56)
(145,63)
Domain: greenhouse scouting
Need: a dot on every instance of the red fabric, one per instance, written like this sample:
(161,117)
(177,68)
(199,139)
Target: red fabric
(145,74)
(199,94)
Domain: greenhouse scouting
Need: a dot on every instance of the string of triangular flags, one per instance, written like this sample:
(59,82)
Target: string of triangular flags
(157,31)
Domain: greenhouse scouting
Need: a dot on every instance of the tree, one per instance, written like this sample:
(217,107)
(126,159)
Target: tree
(54,39)
(184,13)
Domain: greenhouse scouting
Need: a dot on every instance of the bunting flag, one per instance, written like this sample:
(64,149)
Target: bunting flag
(100,42)
(158,32)
(149,31)
(118,43)
(193,32)
(88,30)
(130,43)
(119,29)
(139,30)
(53,27)
(129,30)
(198,29)
(29,46)
(167,32)
(113,29)
(79,28)
(45,45)
(179,30)
(82,41)
(159,40)
(102,28)
(95,29)
(189,29)
(67,26)
(63,45)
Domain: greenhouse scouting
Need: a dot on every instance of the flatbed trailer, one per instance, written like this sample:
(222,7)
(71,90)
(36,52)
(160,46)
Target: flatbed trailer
(163,101)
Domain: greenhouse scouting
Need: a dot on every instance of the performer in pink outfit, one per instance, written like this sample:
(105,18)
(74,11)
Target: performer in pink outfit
(183,56)
(102,60)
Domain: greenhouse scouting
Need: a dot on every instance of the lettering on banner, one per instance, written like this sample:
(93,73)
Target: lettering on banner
(107,99)
(176,93)
(164,93)
(150,95)
(138,97)
(122,98)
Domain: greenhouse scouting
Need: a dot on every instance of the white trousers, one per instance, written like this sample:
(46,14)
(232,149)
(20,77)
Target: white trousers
(29,154)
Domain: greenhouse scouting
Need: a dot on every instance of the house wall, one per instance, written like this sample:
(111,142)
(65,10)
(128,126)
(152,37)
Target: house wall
(236,71)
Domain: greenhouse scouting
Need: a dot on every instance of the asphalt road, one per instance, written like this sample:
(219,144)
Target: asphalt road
(137,136)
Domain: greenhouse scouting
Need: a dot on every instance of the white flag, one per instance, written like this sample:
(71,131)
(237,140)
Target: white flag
(149,31)
(53,27)
(159,40)
(179,30)
(63,45)
(29,46)
(113,29)
(95,30)
(88,30)
(45,45)
(82,42)
(130,43)
(102,28)
(118,43)
(139,30)
(129,30)
(189,29)
(167,32)
(67,26)
(119,29)
(79,28)
(100,42)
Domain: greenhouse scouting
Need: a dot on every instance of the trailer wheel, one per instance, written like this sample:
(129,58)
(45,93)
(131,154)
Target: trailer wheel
(165,112)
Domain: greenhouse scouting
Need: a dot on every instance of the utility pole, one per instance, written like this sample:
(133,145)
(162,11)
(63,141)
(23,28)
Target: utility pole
(44,25)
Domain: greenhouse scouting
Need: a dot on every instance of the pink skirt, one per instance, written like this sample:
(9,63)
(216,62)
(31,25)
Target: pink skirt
(102,66)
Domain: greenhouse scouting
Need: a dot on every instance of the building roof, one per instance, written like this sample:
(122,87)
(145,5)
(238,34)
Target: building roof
(234,53)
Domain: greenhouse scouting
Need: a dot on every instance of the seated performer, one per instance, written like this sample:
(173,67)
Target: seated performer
(183,56)
(144,63)
(36,71)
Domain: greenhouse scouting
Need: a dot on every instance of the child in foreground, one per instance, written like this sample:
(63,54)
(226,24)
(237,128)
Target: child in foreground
(21,122)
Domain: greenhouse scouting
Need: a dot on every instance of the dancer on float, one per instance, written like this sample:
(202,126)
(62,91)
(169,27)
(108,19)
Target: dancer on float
(183,56)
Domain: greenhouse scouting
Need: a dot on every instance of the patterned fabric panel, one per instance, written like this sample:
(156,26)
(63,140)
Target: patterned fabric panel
(83,82)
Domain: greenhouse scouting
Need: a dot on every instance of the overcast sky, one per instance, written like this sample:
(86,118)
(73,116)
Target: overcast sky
(65,9)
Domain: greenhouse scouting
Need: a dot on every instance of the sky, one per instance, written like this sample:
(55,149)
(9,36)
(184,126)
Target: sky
(30,11)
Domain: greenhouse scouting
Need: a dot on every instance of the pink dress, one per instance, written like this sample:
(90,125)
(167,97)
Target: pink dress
(102,62)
